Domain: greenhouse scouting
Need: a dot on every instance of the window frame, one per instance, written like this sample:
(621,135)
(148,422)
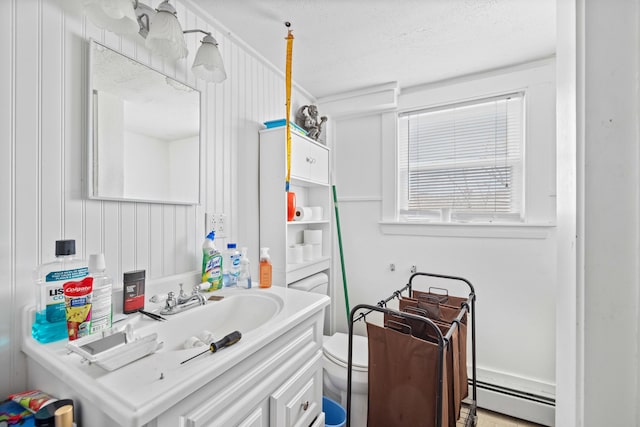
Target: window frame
(448,215)
(538,80)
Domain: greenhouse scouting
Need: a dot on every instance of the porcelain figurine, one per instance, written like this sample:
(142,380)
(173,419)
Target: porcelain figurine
(307,118)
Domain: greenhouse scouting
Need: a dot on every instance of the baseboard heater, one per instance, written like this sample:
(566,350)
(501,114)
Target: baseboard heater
(516,403)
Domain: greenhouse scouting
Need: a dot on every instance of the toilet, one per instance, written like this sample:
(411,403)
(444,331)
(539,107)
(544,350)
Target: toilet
(335,353)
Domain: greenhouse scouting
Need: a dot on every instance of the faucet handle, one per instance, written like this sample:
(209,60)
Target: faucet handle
(182,293)
(195,290)
(171,300)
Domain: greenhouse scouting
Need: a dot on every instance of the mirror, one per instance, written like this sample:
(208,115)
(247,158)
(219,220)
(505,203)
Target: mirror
(144,132)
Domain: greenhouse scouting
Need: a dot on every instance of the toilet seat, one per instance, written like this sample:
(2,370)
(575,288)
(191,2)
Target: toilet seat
(336,349)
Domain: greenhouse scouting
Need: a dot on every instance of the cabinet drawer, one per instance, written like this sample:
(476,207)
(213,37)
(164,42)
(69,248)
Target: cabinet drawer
(299,400)
(309,161)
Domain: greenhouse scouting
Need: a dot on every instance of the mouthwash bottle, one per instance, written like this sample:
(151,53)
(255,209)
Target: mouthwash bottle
(51,320)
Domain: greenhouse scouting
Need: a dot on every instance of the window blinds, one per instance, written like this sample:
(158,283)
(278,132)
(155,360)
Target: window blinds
(463,157)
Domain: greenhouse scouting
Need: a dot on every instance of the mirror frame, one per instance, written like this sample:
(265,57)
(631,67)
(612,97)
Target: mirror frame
(91,184)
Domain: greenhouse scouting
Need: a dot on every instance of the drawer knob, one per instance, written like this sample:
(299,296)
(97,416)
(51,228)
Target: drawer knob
(311,160)
(305,405)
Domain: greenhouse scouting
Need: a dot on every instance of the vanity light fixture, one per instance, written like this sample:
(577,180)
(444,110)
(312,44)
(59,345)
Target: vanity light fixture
(208,63)
(162,31)
(115,15)
(165,33)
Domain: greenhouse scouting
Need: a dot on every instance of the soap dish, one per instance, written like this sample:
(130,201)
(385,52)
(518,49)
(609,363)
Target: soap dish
(114,350)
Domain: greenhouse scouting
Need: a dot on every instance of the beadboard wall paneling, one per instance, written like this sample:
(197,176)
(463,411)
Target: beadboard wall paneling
(43,156)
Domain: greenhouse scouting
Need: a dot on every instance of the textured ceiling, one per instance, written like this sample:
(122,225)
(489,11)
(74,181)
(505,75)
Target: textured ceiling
(343,45)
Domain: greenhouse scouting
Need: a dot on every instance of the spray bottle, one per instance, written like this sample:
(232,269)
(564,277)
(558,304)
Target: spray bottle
(211,263)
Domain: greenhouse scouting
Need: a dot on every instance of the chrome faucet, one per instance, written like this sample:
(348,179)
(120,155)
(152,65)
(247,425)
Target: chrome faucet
(183,301)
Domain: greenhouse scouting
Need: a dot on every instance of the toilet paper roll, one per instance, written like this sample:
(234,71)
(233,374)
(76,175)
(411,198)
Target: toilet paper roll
(295,254)
(307,252)
(302,214)
(312,236)
(317,250)
(317,213)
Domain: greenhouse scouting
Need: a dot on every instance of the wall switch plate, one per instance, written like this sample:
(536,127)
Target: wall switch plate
(216,222)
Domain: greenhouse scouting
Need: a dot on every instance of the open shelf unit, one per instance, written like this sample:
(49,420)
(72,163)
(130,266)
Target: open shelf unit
(310,182)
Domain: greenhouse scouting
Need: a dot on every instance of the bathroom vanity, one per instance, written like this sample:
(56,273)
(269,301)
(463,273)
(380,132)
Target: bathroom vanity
(271,377)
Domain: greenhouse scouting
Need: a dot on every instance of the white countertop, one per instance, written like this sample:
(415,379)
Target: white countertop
(140,391)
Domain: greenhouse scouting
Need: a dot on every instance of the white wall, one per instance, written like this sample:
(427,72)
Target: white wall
(109,145)
(598,234)
(611,212)
(183,165)
(512,268)
(43,127)
(146,165)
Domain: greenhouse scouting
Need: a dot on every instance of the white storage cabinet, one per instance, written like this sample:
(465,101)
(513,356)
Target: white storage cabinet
(310,182)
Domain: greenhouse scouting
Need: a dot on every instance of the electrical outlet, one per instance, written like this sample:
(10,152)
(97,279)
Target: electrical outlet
(209,223)
(216,222)
(221,225)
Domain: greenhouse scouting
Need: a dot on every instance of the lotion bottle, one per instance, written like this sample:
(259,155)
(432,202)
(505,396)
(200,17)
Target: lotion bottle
(265,268)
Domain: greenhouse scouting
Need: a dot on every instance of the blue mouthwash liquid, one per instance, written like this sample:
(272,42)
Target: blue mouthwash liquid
(51,321)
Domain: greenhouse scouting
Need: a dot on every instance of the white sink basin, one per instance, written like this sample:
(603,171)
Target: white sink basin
(242,311)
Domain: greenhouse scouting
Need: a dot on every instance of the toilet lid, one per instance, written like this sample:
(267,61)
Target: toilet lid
(336,348)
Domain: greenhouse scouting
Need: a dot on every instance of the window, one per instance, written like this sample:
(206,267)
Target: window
(462,161)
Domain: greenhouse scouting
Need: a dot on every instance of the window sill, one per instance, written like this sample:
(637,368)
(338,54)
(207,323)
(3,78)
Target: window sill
(468,229)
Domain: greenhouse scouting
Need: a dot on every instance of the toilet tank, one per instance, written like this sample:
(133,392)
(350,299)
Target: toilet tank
(317,283)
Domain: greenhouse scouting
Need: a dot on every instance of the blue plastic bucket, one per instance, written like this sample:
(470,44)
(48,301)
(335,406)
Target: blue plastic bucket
(334,413)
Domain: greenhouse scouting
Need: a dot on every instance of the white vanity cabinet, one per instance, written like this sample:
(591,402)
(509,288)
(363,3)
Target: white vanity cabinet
(310,168)
(271,377)
(281,386)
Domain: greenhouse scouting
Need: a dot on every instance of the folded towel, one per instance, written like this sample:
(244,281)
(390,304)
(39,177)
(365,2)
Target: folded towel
(193,342)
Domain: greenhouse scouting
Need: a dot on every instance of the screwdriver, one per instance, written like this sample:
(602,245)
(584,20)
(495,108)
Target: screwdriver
(228,340)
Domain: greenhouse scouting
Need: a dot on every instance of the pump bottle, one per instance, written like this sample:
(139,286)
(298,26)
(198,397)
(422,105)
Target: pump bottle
(265,268)
(244,279)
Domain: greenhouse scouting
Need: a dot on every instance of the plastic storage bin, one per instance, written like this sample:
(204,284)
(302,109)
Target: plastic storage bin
(334,414)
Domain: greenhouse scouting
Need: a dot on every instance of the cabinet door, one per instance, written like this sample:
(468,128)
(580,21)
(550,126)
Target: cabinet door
(299,158)
(318,164)
(309,161)
(299,400)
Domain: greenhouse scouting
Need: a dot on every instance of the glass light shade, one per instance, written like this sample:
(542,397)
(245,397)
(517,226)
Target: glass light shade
(208,63)
(165,34)
(117,16)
